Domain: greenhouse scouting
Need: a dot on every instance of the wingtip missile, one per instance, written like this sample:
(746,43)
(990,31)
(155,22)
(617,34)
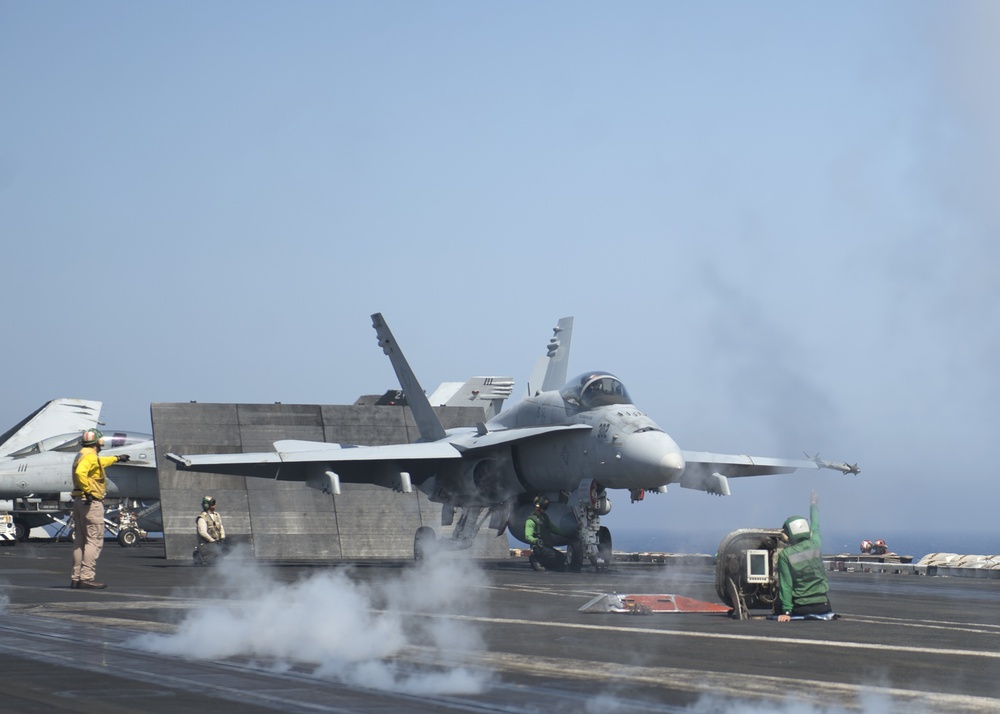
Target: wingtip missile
(844,468)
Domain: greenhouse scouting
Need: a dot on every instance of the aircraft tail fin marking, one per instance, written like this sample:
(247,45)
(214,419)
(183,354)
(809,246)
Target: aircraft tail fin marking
(59,416)
(489,392)
(558,355)
(427,421)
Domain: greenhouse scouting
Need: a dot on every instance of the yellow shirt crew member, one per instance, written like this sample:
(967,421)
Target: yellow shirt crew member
(89,481)
(90,485)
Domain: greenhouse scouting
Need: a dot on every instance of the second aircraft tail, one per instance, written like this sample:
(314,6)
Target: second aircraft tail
(59,416)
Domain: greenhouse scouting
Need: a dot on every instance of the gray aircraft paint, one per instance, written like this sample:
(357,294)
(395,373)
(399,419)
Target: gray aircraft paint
(573,444)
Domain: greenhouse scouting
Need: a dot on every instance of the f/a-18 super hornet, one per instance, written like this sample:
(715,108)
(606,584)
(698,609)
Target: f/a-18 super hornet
(571,441)
(36,459)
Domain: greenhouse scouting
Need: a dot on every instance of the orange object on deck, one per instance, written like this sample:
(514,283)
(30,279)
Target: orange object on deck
(650,604)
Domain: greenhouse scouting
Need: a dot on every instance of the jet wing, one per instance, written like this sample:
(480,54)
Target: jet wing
(710,472)
(450,448)
(738,465)
(303,460)
(299,452)
(296,460)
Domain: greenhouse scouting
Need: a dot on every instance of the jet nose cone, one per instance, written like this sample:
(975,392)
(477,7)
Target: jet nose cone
(654,457)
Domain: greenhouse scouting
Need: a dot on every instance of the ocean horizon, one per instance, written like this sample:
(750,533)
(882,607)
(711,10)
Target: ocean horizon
(912,543)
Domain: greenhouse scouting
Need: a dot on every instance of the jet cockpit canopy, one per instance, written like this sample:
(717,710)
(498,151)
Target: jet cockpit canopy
(595,389)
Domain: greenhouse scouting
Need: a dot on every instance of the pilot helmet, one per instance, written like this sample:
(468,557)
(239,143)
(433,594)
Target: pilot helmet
(207,502)
(542,502)
(796,528)
(92,437)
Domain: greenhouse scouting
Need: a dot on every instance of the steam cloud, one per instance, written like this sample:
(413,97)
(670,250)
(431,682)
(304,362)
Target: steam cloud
(344,628)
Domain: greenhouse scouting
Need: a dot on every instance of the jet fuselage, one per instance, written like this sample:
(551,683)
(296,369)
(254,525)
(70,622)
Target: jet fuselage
(622,448)
(46,467)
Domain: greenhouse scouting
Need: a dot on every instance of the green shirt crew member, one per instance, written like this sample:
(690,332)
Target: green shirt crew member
(802,585)
(538,530)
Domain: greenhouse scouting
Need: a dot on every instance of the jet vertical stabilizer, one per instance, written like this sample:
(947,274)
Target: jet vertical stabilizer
(59,416)
(550,371)
(427,421)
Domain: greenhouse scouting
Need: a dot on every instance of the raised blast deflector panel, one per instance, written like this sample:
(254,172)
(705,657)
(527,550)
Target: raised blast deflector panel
(288,520)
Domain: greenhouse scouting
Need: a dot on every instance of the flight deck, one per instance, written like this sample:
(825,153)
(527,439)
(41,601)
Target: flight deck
(472,636)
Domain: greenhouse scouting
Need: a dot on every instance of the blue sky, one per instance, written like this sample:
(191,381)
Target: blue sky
(776,222)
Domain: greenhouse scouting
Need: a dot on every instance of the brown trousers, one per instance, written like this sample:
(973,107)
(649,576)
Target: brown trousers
(88,537)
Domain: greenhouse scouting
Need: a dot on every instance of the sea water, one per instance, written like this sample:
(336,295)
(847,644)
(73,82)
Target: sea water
(913,543)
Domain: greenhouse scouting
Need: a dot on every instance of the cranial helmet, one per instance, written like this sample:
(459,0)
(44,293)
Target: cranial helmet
(92,437)
(207,502)
(542,502)
(796,528)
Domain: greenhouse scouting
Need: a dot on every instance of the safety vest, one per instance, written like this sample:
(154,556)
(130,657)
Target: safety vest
(213,523)
(88,473)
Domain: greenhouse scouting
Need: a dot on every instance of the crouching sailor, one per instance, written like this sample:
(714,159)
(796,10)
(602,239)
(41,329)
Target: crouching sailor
(538,530)
(211,533)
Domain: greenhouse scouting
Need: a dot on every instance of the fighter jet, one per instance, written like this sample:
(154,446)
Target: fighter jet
(572,441)
(36,458)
